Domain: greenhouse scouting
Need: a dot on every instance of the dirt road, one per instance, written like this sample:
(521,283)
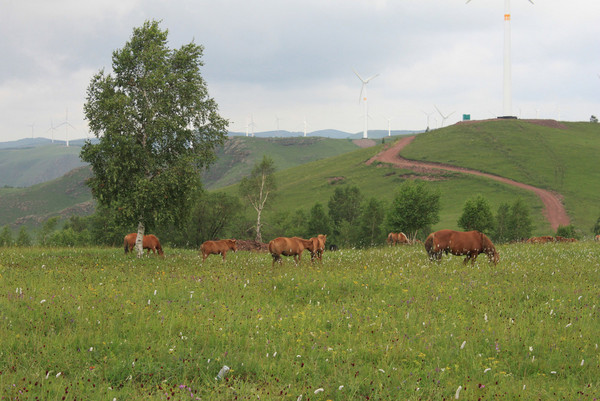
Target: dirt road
(554,210)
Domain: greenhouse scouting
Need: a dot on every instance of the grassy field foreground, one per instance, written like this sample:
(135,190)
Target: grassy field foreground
(366,324)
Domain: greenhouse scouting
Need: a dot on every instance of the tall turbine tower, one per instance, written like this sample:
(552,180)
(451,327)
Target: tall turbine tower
(507,86)
(360,97)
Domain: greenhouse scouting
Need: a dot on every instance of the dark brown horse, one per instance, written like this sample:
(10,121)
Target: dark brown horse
(469,244)
(289,247)
(219,247)
(150,242)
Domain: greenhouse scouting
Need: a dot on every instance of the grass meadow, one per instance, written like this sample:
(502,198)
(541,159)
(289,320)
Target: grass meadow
(377,324)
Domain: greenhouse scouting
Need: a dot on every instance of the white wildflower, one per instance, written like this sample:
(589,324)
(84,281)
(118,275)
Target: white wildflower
(319,390)
(42,301)
(487,370)
(341,387)
(463,344)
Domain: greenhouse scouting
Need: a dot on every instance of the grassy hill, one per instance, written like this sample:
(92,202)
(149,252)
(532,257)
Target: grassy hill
(32,163)
(300,187)
(557,156)
(239,154)
(64,196)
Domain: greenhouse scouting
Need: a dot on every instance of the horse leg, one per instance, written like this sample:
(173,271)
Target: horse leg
(224,254)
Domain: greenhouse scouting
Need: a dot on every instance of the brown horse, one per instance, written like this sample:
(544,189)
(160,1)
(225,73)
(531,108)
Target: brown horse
(219,247)
(318,246)
(150,242)
(397,238)
(469,244)
(289,247)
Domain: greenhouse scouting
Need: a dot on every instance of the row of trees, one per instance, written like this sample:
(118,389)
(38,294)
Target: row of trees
(348,218)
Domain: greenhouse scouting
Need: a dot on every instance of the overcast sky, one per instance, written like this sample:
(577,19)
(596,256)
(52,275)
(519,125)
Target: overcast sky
(284,62)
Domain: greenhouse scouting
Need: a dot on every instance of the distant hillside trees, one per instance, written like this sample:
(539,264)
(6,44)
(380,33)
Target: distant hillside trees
(477,215)
(513,222)
(6,236)
(156,126)
(257,189)
(415,208)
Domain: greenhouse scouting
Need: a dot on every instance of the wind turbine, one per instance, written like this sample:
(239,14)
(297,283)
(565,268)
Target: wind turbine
(67,124)
(444,118)
(52,128)
(363,88)
(507,86)
(428,116)
(251,125)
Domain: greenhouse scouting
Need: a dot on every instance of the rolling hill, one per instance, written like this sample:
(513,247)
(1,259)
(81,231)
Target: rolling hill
(559,157)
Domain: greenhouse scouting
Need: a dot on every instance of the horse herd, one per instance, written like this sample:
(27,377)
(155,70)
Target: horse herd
(468,244)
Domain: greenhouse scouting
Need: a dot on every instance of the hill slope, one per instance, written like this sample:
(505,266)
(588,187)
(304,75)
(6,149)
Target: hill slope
(239,154)
(561,157)
(32,162)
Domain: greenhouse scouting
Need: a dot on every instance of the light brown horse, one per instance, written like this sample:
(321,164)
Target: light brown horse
(397,238)
(150,242)
(289,247)
(219,247)
(318,246)
(469,244)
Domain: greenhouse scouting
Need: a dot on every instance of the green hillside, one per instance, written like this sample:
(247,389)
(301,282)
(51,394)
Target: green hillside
(561,157)
(300,187)
(26,166)
(64,196)
(239,154)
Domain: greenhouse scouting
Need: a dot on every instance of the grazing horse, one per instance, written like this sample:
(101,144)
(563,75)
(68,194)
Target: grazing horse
(397,238)
(541,240)
(150,242)
(289,247)
(219,247)
(469,244)
(318,246)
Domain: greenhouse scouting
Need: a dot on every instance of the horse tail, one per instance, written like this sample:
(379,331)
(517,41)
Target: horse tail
(126,245)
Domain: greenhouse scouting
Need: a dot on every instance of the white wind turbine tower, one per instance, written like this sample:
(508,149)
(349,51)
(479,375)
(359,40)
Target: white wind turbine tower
(364,98)
(507,86)
(67,124)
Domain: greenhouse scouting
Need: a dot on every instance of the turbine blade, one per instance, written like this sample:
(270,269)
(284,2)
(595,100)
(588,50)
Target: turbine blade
(374,76)
(359,77)
(362,88)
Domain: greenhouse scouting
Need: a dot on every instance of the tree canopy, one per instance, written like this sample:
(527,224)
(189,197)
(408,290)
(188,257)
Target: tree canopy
(157,128)
(414,208)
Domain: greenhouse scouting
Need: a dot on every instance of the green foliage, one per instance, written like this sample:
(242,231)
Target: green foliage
(415,208)
(513,222)
(383,324)
(23,237)
(477,215)
(318,221)
(520,226)
(156,125)
(596,228)
(568,232)
(47,228)
(6,236)
(211,218)
(344,210)
(370,228)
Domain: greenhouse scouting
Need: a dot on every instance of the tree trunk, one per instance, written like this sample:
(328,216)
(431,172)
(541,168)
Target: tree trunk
(258,235)
(139,244)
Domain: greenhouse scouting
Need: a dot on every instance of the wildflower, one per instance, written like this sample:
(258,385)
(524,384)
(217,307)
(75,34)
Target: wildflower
(487,370)
(42,301)
(569,324)
(58,374)
(463,344)
(582,362)
(319,390)
(341,387)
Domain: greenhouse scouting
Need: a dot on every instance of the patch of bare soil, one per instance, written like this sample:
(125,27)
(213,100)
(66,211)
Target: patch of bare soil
(554,210)
(364,143)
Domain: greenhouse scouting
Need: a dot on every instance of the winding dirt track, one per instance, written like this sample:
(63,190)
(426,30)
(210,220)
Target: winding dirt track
(554,210)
